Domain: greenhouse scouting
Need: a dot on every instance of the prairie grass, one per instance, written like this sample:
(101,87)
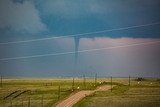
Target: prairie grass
(145,93)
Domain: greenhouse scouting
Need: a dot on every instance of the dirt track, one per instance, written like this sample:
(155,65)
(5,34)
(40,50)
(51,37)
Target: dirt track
(73,99)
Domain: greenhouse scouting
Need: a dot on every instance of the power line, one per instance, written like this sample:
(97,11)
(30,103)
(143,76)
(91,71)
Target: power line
(81,51)
(81,34)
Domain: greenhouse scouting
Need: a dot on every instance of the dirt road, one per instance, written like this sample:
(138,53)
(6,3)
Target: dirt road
(73,99)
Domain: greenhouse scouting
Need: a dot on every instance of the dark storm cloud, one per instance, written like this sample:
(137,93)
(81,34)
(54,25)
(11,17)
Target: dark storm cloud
(77,17)
(63,17)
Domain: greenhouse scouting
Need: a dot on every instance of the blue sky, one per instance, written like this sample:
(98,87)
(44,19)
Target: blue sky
(34,19)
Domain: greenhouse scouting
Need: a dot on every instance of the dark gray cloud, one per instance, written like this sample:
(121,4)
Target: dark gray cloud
(61,17)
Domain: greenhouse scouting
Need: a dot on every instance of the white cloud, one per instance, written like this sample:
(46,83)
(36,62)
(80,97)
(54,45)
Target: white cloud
(20,17)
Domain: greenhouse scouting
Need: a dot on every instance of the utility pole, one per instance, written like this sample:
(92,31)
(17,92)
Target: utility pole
(95,79)
(84,81)
(129,80)
(111,83)
(22,102)
(29,103)
(1,81)
(42,101)
(11,102)
(59,92)
(73,85)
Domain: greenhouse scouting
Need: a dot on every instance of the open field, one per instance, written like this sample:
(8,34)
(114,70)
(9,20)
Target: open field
(74,98)
(140,94)
(38,92)
(47,93)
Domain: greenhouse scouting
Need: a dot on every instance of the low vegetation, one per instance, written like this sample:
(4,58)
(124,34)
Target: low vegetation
(143,94)
(38,92)
(48,92)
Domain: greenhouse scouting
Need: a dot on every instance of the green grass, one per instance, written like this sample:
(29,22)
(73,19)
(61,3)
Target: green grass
(20,90)
(119,89)
(17,90)
(143,94)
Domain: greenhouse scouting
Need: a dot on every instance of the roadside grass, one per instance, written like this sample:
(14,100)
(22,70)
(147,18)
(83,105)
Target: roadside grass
(16,92)
(119,89)
(145,93)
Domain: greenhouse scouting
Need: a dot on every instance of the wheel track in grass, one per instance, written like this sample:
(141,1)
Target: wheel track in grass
(73,99)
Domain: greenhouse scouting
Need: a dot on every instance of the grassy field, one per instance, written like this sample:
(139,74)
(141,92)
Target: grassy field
(145,93)
(38,92)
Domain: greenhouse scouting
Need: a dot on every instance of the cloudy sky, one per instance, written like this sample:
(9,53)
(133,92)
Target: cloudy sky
(24,25)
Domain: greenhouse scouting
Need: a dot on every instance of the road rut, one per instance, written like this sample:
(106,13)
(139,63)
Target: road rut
(73,99)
